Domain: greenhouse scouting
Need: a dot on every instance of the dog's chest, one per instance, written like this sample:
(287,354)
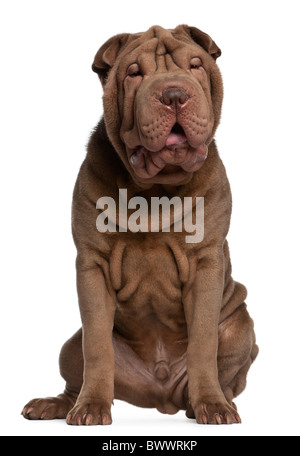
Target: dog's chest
(148,274)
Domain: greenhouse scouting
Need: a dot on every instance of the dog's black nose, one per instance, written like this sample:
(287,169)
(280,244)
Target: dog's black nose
(174,98)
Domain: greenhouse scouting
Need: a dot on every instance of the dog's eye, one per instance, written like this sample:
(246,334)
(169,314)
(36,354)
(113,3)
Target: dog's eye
(134,71)
(134,75)
(195,63)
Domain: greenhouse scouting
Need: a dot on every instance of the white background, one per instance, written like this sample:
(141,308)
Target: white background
(50,101)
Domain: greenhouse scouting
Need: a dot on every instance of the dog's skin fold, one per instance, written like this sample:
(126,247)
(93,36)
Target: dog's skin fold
(164,325)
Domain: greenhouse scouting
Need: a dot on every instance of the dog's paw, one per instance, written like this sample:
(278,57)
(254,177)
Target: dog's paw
(89,412)
(47,408)
(216,413)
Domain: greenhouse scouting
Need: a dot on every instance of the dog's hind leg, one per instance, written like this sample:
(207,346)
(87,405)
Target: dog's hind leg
(237,351)
(134,383)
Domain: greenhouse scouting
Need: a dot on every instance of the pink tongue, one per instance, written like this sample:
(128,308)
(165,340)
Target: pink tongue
(175,138)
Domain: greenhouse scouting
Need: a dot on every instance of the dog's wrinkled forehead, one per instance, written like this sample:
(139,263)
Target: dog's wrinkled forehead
(163,44)
(157,50)
(158,40)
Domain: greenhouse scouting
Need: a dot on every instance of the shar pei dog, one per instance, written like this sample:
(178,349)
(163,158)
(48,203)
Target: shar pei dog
(164,325)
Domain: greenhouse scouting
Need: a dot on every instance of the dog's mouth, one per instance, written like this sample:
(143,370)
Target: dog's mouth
(177,156)
(176,138)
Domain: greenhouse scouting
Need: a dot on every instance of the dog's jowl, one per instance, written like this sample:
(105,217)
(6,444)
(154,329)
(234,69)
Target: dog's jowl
(164,325)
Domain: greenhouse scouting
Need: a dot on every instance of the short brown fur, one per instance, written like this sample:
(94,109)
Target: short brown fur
(164,325)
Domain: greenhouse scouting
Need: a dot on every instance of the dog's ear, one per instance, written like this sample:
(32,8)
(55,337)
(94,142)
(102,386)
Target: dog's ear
(203,40)
(107,54)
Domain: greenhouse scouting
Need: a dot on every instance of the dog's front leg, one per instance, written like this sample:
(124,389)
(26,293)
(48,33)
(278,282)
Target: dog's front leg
(202,306)
(97,309)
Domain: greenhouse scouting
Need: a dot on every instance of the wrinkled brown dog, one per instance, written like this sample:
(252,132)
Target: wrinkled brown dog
(163,323)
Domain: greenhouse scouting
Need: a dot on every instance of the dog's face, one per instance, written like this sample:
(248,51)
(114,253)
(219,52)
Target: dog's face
(162,101)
